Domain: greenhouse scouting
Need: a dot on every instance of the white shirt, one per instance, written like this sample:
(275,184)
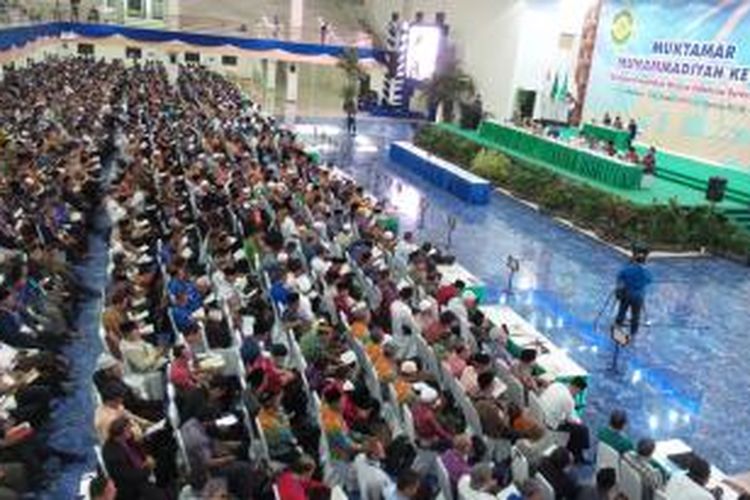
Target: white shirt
(289,228)
(373,479)
(404,249)
(456,306)
(224,289)
(301,283)
(114,211)
(7,357)
(319,266)
(558,405)
(466,492)
(402,316)
(305,308)
(681,487)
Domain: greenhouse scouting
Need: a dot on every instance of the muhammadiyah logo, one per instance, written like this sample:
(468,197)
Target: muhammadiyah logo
(622,27)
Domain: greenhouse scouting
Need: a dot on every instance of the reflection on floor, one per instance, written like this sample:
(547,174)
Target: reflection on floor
(685,376)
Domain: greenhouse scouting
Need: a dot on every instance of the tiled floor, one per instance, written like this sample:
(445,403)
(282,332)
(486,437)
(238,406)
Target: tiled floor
(686,375)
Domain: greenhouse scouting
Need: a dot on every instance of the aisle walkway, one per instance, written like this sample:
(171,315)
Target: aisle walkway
(74,418)
(684,376)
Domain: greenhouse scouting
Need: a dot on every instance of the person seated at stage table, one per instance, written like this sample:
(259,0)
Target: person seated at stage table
(610,149)
(607,120)
(632,130)
(613,435)
(631,156)
(649,161)
(618,123)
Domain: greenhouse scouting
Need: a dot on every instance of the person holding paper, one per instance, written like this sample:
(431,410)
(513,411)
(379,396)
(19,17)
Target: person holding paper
(128,464)
(142,356)
(210,458)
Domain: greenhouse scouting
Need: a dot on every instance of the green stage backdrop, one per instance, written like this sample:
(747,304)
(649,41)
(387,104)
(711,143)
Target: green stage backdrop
(681,68)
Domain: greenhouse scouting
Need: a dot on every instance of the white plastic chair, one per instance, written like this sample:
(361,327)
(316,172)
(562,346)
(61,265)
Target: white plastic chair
(660,495)
(444,481)
(560,438)
(519,466)
(411,433)
(100,459)
(536,408)
(607,457)
(630,483)
(548,492)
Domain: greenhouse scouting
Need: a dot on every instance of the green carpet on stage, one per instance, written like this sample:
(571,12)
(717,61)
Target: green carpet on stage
(677,177)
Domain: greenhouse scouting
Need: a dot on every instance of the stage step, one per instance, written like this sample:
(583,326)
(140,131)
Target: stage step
(732,193)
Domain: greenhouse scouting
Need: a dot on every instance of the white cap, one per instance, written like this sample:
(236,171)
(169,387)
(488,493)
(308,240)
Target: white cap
(425,393)
(348,358)
(360,306)
(408,367)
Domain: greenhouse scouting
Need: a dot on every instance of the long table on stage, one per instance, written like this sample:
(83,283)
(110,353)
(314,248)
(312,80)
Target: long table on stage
(619,137)
(582,162)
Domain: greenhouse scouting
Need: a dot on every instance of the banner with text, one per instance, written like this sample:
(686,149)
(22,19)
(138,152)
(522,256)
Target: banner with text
(681,68)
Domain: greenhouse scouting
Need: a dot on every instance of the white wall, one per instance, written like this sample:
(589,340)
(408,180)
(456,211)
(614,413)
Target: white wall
(503,44)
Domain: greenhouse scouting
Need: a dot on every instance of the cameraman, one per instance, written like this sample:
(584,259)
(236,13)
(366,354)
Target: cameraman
(632,281)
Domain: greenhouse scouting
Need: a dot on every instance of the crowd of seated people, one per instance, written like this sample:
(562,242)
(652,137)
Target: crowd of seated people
(266,333)
(336,385)
(54,119)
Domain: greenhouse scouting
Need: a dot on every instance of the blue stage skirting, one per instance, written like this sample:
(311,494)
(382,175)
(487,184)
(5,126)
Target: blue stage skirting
(20,36)
(457,181)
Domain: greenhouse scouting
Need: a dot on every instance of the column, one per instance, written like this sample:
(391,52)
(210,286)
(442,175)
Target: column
(149,9)
(292,82)
(172,14)
(296,19)
(269,83)
(292,91)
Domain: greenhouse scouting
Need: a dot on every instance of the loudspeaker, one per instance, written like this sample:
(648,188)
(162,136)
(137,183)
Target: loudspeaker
(525,101)
(716,188)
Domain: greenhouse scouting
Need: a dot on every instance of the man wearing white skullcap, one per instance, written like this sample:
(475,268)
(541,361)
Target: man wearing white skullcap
(428,429)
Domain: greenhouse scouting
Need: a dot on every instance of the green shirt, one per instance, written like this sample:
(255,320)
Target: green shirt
(617,440)
(311,346)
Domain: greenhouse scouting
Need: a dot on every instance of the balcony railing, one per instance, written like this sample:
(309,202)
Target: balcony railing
(259,26)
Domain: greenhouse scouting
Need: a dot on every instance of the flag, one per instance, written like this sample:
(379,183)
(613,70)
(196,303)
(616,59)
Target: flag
(562,92)
(555,89)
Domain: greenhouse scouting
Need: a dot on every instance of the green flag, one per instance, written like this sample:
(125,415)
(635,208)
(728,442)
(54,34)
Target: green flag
(562,92)
(555,84)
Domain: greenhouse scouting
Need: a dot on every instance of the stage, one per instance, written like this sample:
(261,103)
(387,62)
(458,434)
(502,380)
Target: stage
(677,177)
